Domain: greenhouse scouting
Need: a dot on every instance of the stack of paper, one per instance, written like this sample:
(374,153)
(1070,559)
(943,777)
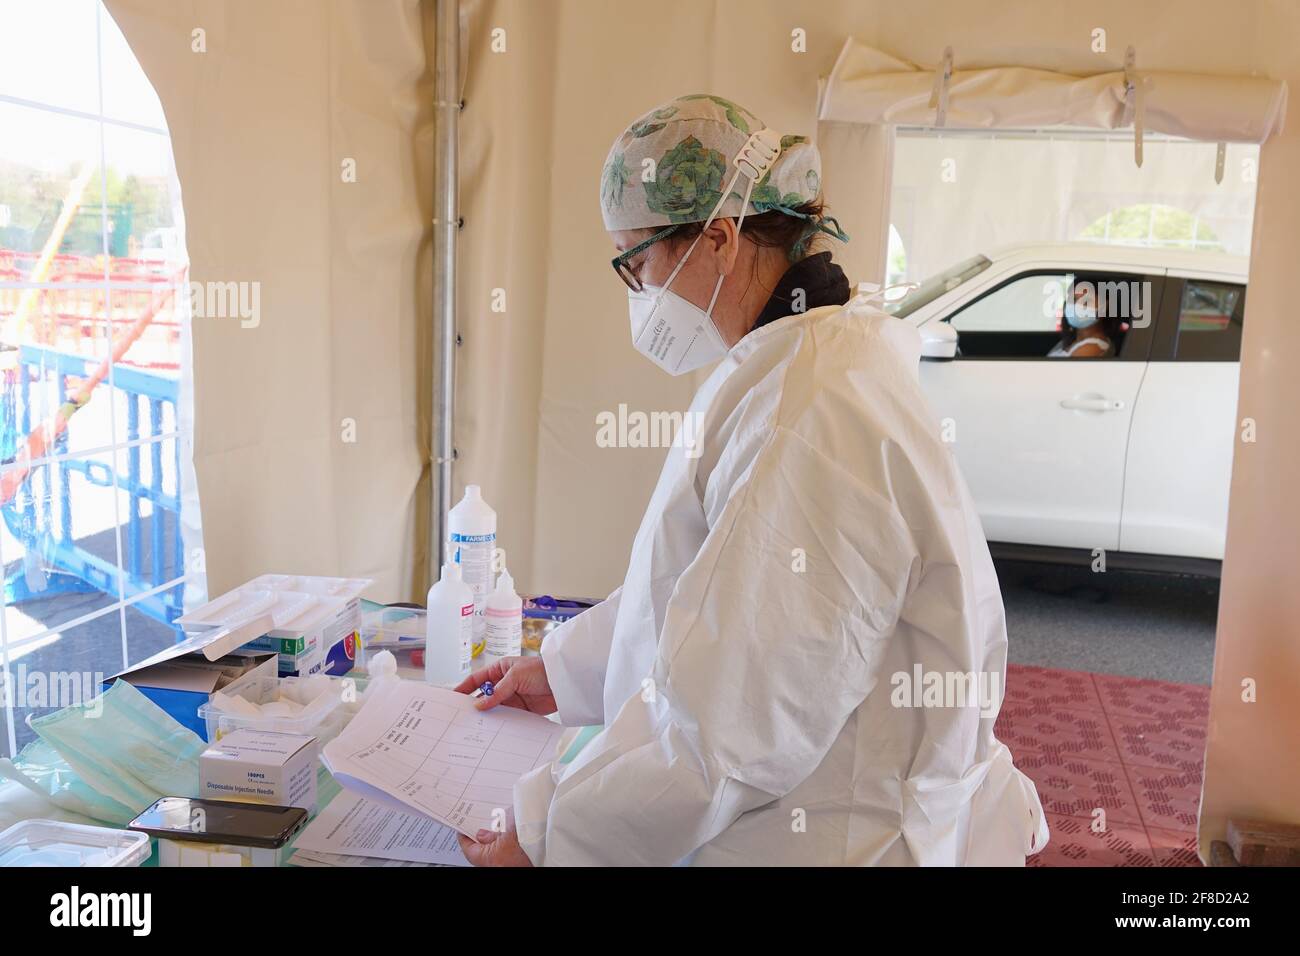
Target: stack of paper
(424,749)
(354,831)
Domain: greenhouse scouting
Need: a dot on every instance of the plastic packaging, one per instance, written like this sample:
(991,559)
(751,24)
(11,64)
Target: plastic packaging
(282,705)
(543,614)
(310,621)
(353,700)
(505,616)
(449,637)
(39,768)
(328,587)
(51,843)
(400,630)
(124,746)
(472,536)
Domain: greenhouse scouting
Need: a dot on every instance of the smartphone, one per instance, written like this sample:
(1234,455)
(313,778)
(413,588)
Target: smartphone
(220,821)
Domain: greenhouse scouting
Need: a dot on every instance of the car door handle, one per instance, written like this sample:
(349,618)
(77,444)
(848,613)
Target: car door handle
(1094,404)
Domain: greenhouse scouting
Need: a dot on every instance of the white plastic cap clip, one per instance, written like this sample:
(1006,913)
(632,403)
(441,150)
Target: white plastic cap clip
(758,154)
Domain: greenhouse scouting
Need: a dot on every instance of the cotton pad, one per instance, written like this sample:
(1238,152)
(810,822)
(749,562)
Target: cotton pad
(234,704)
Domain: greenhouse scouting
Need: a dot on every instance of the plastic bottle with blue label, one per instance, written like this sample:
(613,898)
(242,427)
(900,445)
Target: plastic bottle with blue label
(472,537)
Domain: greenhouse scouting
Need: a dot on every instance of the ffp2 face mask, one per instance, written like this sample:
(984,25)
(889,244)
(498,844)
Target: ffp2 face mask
(674,334)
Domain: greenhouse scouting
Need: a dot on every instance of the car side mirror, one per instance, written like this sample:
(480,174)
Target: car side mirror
(938,342)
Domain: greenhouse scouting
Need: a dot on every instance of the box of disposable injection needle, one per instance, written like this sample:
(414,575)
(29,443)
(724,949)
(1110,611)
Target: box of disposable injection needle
(261,767)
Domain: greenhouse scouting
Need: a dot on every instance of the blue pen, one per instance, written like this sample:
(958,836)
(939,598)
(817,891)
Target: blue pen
(484,691)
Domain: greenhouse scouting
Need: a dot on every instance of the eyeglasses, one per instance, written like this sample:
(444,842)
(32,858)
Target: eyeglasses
(621,262)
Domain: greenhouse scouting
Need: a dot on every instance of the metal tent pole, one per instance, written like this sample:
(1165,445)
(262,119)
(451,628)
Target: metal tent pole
(445,223)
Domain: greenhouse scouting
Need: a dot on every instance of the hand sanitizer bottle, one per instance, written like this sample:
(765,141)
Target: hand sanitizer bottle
(449,629)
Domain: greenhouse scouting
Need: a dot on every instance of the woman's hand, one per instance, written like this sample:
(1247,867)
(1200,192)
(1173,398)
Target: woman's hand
(490,848)
(516,682)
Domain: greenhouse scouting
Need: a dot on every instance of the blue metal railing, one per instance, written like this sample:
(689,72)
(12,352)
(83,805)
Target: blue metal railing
(47,534)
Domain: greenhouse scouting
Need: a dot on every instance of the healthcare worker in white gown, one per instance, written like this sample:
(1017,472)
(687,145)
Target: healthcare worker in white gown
(809,562)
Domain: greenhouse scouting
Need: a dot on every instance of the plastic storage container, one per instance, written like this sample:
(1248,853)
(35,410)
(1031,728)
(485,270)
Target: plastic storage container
(188,853)
(352,706)
(307,584)
(51,843)
(401,630)
(317,719)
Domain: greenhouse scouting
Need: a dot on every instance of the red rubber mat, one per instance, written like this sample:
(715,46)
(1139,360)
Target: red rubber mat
(1120,751)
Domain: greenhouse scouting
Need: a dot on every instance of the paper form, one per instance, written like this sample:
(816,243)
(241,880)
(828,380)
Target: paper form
(353,826)
(423,748)
(313,858)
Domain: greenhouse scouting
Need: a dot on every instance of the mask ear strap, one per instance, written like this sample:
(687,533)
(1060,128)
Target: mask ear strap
(708,222)
(755,159)
(717,287)
(740,221)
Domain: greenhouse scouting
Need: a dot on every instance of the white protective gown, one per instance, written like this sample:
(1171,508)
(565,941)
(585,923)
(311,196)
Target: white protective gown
(817,541)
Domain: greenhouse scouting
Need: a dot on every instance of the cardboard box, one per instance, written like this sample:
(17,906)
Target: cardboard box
(281,645)
(258,766)
(327,645)
(181,679)
(311,623)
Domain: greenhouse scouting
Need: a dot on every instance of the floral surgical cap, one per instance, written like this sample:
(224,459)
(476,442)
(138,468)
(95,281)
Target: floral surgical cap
(672,164)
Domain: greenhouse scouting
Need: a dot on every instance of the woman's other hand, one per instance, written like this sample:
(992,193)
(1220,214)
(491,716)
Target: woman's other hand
(491,848)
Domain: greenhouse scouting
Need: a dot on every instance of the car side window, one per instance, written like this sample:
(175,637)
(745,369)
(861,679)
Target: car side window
(1028,317)
(1029,303)
(1210,319)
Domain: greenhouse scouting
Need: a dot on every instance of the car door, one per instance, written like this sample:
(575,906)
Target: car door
(1185,429)
(1041,441)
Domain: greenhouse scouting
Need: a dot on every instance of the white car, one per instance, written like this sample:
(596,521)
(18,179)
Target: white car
(1129,453)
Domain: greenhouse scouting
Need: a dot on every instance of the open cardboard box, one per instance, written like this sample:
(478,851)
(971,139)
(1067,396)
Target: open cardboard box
(182,678)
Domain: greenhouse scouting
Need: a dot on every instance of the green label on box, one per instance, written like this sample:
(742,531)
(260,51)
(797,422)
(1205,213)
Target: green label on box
(282,645)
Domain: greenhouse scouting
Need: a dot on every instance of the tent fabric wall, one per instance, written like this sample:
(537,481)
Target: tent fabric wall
(261,125)
(1251,771)
(862,156)
(505,258)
